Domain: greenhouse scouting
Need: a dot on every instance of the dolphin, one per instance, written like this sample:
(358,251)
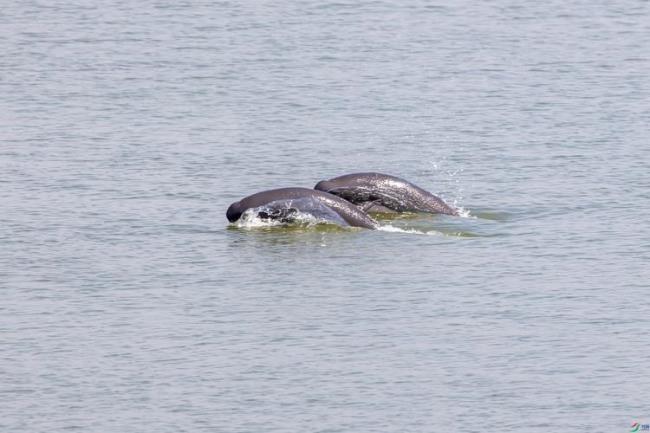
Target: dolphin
(377,192)
(283,204)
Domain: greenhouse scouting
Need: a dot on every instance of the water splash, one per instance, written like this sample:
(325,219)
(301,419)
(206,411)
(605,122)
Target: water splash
(251,220)
(283,213)
(462,212)
(451,180)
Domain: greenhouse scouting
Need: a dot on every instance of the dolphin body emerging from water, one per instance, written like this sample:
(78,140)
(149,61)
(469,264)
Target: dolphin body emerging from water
(285,203)
(376,192)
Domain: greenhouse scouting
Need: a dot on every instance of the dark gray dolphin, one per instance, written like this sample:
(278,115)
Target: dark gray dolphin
(376,192)
(281,204)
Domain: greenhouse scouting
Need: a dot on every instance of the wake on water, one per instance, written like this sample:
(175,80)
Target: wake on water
(392,229)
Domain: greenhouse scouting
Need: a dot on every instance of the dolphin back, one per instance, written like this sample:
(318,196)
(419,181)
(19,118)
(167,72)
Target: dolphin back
(383,190)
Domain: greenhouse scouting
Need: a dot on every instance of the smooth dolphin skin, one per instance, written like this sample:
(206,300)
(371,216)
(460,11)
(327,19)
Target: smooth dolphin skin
(377,192)
(281,203)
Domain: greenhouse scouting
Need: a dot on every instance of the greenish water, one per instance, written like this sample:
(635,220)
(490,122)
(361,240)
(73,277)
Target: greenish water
(130,304)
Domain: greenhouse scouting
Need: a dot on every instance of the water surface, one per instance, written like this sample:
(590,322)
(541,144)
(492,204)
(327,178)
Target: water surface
(129,303)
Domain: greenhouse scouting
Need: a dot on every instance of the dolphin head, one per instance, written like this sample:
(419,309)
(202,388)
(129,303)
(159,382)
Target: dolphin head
(325,185)
(234,211)
(346,182)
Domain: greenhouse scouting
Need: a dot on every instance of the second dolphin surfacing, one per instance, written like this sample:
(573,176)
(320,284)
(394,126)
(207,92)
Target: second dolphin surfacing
(377,192)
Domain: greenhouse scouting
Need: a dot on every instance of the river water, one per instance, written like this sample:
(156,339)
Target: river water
(129,304)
